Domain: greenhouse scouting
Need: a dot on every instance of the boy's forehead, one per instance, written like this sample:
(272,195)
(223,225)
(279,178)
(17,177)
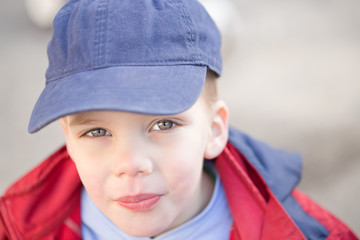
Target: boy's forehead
(96,117)
(93,117)
(82,118)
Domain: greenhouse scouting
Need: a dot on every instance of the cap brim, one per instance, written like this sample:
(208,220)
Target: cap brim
(155,90)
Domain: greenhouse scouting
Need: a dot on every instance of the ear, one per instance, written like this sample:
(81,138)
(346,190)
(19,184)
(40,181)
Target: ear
(219,131)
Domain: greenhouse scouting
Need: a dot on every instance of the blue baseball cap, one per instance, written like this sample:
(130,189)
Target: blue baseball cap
(138,56)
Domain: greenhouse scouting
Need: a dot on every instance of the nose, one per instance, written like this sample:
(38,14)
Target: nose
(132,162)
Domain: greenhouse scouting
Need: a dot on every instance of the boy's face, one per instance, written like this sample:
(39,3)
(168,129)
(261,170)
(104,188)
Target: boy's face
(146,172)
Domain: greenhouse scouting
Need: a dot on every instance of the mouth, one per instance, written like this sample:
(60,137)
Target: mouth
(140,202)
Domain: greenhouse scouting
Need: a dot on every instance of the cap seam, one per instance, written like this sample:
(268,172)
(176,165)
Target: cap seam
(187,23)
(101,33)
(109,26)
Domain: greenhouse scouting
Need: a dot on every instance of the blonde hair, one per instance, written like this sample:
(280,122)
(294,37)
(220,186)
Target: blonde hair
(209,92)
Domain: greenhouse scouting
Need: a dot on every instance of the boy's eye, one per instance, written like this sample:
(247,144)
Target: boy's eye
(163,125)
(97,133)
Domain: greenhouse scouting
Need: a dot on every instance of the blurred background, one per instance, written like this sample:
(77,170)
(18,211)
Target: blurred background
(291,79)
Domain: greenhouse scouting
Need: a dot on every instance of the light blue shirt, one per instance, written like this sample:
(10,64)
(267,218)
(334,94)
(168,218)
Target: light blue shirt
(213,223)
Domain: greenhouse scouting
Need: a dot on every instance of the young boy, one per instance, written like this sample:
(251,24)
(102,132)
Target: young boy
(132,84)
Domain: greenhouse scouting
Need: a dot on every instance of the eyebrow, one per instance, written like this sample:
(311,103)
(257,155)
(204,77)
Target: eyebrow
(82,121)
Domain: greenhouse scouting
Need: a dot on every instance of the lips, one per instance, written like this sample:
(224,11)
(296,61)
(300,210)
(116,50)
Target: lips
(139,203)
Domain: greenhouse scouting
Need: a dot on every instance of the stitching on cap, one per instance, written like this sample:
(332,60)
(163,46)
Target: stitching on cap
(100,33)
(187,25)
(109,26)
(104,22)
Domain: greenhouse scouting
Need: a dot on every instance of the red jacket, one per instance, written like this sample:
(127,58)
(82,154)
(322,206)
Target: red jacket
(45,204)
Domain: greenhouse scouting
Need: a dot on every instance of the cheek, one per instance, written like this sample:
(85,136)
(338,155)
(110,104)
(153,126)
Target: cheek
(182,161)
(90,164)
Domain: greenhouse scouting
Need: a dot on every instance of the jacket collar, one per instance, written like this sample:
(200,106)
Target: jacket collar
(43,199)
(273,165)
(256,211)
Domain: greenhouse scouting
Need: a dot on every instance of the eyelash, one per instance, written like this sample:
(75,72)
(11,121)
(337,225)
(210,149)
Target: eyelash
(166,125)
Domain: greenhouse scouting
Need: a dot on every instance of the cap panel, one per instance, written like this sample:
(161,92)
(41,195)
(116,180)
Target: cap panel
(154,36)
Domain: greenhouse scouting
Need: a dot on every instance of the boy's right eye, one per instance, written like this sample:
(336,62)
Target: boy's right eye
(99,132)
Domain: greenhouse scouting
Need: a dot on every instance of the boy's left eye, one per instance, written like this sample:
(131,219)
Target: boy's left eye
(163,125)
(97,133)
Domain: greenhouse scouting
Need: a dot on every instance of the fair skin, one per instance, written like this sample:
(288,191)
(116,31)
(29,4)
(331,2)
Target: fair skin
(145,172)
